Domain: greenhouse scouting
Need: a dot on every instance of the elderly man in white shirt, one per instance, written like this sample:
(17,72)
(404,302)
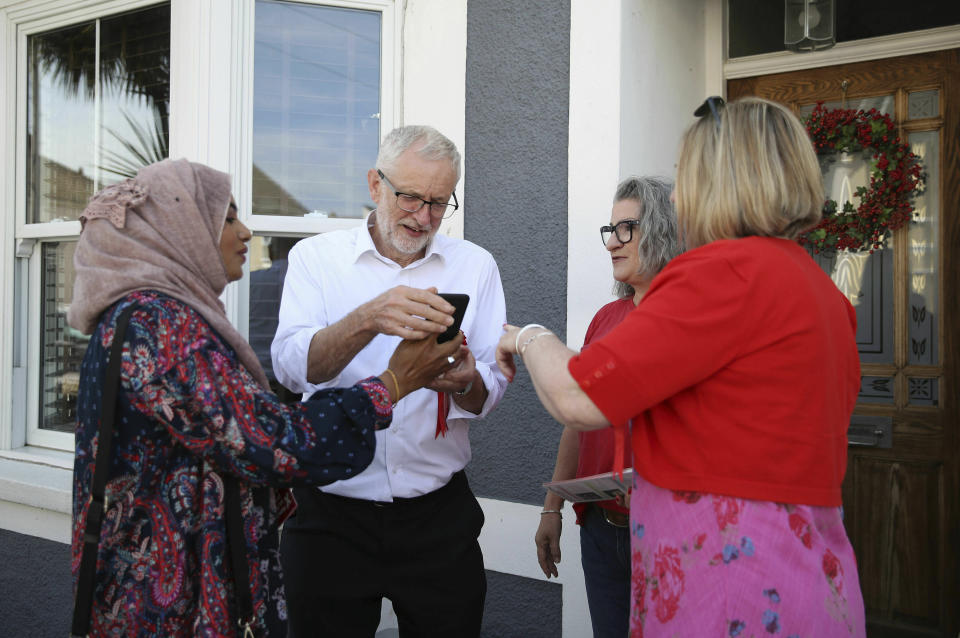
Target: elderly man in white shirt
(405,528)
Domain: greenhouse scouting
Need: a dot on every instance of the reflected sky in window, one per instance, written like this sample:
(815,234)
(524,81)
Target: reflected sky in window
(316,125)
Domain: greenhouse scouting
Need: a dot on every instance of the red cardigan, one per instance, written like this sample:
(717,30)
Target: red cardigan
(740,368)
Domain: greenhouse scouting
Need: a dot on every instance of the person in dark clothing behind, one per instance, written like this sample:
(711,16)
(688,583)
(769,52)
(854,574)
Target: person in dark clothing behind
(266,288)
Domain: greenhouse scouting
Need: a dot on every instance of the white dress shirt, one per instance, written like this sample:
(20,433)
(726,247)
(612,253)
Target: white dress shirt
(329,276)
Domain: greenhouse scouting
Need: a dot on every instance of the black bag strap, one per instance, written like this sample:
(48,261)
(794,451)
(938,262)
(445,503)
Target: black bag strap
(98,505)
(238,556)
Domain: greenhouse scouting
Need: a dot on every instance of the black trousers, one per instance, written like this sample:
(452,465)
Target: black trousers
(342,556)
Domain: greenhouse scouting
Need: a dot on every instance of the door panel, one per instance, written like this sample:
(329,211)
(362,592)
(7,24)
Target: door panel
(901,493)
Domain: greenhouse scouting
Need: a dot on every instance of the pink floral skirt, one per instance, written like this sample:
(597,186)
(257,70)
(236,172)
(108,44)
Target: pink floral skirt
(710,565)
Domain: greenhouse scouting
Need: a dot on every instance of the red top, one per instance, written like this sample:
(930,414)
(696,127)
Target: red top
(740,369)
(596,446)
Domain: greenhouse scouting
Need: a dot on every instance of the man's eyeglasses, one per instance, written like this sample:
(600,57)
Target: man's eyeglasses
(623,230)
(412,203)
(712,104)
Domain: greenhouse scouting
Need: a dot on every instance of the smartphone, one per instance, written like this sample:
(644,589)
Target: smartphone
(459,303)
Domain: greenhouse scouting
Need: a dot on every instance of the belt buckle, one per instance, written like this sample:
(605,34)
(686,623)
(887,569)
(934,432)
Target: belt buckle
(606,516)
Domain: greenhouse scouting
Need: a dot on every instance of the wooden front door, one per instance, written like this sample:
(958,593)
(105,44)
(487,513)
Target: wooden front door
(902,488)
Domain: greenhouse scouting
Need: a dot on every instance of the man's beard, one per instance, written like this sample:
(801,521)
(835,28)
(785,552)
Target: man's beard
(395,237)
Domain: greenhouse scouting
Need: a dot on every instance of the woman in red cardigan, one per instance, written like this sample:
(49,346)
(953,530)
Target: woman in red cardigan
(739,372)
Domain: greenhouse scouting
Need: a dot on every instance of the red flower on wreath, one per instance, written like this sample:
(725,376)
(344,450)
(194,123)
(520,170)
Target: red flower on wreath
(895,178)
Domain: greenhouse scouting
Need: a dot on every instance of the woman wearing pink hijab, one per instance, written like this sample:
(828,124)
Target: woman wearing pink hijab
(194,413)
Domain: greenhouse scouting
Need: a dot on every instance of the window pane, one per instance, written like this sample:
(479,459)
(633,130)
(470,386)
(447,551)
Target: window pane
(316,122)
(921,104)
(924,254)
(867,281)
(925,392)
(135,83)
(876,390)
(61,347)
(268,267)
(81,134)
(60,123)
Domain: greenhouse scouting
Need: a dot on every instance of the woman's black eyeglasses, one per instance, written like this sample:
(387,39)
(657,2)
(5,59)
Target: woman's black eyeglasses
(712,104)
(623,230)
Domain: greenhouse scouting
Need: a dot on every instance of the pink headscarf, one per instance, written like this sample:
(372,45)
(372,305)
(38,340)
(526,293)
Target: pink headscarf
(158,231)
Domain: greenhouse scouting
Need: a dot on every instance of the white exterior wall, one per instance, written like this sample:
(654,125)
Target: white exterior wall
(638,69)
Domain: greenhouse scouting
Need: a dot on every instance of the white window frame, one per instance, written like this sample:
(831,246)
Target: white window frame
(389,108)
(24,418)
(391,60)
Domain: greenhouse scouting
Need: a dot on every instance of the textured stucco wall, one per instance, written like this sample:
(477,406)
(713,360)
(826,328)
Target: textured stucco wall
(518,74)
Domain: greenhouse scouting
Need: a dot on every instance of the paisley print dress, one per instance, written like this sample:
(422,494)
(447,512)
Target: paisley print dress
(189,413)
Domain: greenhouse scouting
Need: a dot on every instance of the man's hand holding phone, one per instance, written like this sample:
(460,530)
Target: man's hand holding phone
(410,313)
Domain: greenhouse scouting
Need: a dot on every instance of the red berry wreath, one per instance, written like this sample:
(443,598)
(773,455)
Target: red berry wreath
(895,179)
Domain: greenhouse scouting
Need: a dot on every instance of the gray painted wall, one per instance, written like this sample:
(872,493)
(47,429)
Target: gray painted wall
(517,116)
(515,162)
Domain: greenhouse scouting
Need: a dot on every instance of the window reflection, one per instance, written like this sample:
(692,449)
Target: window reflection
(316,122)
(924,255)
(97,108)
(62,347)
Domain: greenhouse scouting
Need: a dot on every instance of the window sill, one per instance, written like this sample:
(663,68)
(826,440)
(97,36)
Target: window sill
(36,485)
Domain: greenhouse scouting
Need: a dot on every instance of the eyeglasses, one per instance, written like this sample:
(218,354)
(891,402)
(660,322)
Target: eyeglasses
(412,203)
(712,104)
(623,230)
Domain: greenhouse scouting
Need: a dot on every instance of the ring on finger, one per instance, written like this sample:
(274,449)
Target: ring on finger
(451,360)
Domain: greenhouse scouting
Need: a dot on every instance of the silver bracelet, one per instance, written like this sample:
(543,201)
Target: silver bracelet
(466,390)
(516,342)
(551,512)
(523,346)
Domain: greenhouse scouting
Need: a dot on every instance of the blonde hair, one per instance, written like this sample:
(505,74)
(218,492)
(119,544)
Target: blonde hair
(753,172)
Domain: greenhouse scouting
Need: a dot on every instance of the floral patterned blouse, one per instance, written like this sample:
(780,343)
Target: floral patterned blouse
(188,414)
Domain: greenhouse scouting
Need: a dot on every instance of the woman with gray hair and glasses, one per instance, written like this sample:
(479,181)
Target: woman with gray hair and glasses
(641,238)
